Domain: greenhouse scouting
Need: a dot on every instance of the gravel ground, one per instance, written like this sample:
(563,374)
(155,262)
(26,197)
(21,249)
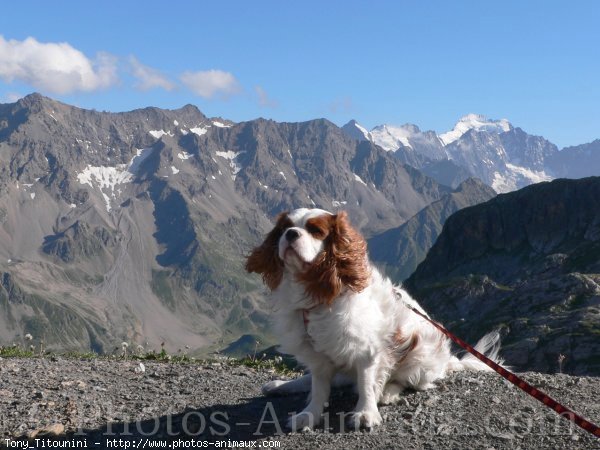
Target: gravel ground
(108,404)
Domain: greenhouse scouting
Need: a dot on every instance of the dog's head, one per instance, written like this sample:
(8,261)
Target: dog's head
(320,250)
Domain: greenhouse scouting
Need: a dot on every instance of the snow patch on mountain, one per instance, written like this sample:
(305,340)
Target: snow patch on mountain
(517,176)
(200,130)
(231,157)
(363,130)
(476,122)
(357,131)
(391,137)
(107,178)
(157,134)
(359,179)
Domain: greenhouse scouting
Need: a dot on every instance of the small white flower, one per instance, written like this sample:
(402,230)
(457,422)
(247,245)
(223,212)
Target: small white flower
(124,344)
(28,337)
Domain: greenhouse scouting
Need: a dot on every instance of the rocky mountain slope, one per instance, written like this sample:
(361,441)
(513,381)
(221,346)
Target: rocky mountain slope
(527,262)
(400,250)
(100,401)
(578,161)
(503,156)
(133,226)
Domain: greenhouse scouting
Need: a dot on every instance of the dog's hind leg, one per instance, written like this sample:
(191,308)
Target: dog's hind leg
(302,384)
(281,387)
(391,393)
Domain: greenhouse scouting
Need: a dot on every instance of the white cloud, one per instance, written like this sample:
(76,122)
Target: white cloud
(55,67)
(12,97)
(209,83)
(263,98)
(341,105)
(148,78)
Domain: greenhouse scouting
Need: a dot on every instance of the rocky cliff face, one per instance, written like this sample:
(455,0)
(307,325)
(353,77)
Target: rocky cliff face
(529,263)
(134,226)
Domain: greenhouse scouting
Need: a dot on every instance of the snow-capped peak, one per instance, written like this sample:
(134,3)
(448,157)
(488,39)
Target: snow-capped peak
(363,130)
(476,122)
(357,131)
(391,137)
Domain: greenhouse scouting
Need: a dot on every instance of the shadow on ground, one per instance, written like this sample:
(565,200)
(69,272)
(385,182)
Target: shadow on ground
(259,418)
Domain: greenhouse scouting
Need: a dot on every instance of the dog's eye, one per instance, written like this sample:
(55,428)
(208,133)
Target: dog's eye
(313,229)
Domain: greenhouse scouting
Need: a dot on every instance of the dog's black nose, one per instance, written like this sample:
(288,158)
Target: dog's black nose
(291,235)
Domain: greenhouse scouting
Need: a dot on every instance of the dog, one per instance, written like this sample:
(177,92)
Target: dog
(343,320)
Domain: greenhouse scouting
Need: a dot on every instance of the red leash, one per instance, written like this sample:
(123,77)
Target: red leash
(517,381)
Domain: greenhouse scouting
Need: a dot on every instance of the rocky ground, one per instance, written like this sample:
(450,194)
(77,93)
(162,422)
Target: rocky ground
(110,404)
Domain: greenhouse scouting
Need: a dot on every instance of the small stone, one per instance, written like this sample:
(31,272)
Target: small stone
(140,369)
(431,401)
(51,430)
(444,430)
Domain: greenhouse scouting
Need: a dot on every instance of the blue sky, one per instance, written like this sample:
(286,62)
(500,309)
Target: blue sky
(536,63)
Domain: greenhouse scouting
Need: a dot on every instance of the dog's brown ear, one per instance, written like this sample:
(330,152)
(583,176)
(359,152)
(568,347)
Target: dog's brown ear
(342,263)
(264,259)
(350,251)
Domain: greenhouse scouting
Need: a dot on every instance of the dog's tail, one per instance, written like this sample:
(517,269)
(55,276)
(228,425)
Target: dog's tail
(489,345)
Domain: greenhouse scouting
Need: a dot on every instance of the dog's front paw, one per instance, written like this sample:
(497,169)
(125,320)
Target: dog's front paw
(273,387)
(302,421)
(365,419)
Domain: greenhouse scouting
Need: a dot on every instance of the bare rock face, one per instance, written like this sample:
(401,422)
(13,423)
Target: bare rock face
(133,226)
(529,263)
(78,241)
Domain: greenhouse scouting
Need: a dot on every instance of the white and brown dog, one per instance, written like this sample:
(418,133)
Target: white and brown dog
(337,314)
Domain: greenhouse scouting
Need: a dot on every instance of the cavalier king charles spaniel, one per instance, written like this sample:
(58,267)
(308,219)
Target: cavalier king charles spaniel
(344,321)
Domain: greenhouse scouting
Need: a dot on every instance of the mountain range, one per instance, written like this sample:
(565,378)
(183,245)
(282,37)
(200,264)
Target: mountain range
(133,227)
(501,155)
